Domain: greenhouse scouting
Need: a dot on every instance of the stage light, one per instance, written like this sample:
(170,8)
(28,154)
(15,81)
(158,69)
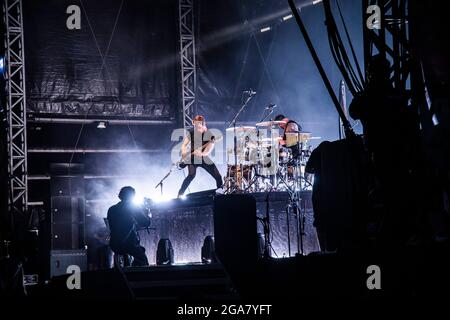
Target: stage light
(164,253)
(266,29)
(160,198)
(101,125)
(261,245)
(287,17)
(208,250)
(435,120)
(316,2)
(2,64)
(138,200)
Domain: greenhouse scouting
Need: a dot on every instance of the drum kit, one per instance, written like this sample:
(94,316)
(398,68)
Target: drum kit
(260,160)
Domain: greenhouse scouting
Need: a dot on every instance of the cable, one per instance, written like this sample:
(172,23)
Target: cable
(353,81)
(355,59)
(244,62)
(103,65)
(266,68)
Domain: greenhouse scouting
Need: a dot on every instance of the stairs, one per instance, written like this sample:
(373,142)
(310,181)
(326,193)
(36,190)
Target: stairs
(193,281)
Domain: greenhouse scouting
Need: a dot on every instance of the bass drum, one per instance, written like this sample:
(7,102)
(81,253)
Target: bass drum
(238,177)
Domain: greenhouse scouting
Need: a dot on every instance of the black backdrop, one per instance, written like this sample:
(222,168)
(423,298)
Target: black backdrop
(138,40)
(140,75)
(234,56)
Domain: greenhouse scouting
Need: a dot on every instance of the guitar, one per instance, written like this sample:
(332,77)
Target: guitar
(182,163)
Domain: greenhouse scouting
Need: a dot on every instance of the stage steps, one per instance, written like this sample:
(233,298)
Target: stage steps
(190,281)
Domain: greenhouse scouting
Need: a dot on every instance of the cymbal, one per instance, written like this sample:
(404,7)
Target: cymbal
(302,134)
(293,138)
(299,132)
(241,129)
(270,123)
(271,139)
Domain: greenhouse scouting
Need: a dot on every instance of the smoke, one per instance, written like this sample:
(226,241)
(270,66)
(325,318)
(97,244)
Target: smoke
(278,66)
(143,171)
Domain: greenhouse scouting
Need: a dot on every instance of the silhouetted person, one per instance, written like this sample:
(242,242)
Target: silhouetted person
(391,135)
(124,219)
(390,126)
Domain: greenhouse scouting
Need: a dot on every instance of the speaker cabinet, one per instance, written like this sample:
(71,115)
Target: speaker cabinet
(235,233)
(67,186)
(67,223)
(60,260)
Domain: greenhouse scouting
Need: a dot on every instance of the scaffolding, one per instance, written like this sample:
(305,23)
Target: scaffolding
(188,62)
(15,105)
(391,39)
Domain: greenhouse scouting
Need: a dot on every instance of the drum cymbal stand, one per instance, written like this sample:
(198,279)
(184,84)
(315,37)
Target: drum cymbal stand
(268,248)
(294,205)
(250,94)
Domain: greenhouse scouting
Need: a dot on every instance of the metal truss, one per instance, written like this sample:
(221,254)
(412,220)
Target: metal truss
(391,40)
(188,61)
(15,105)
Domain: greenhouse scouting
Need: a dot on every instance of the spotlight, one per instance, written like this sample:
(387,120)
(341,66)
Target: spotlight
(2,64)
(101,125)
(138,200)
(160,198)
(266,29)
(208,250)
(287,17)
(261,245)
(164,253)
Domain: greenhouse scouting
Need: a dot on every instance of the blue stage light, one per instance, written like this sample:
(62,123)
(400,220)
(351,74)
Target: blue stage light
(2,64)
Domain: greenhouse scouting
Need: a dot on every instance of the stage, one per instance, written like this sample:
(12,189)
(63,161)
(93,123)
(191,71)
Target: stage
(187,222)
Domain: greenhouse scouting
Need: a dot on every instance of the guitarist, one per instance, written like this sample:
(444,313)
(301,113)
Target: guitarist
(201,144)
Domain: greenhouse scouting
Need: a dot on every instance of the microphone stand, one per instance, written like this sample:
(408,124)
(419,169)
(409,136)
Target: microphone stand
(271,111)
(233,123)
(162,180)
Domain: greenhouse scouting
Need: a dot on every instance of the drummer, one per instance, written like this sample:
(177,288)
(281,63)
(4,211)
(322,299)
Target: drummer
(289,126)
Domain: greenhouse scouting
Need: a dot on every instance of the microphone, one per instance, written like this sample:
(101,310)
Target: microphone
(250,92)
(271,106)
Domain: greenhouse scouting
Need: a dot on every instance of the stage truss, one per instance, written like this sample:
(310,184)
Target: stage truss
(390,40)
(15,105)
(188,61)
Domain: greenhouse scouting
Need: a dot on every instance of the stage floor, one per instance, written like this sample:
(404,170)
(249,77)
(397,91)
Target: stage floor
(187,222)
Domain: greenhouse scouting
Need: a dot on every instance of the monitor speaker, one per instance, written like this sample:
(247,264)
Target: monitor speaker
(235,235)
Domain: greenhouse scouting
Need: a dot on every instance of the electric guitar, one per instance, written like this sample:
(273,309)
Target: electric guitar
(182,163)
